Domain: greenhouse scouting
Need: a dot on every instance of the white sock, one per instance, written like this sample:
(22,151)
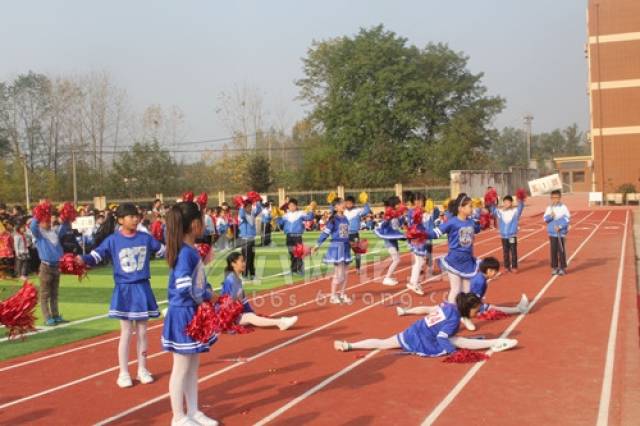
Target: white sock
(126,329)
(141,344)
(418,263)
(178,384)
(395,261)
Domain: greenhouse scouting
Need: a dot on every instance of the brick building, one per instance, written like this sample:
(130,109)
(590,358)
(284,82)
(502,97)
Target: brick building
(613,50)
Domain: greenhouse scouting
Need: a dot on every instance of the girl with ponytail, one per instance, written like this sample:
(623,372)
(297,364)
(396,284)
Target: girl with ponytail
(339,253)
(459,262)
(188,287)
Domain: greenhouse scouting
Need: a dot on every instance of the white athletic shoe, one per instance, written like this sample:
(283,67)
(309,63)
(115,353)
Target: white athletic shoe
(400,311)
(389,281)
(523,305)
(341,346)
(124,381)
(335,299)
(468,324)
(286,323)
(345,299)
(203,420)
(185,421)
(504,344)
(416,288)
(145,377)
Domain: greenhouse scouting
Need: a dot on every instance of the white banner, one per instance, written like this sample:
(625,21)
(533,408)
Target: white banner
(544,185)
(83,223)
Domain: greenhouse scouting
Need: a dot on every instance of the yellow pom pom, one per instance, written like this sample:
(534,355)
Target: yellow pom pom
(476,203)
(313,205)
(363,197)
(445,203)
(332,196)
(429,205)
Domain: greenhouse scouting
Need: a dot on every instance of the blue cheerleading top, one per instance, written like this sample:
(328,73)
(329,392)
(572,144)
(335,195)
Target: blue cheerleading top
(130,255)
(460,234)
(429,336)
(232,286)
(391,229)
(337,228)
(188,284)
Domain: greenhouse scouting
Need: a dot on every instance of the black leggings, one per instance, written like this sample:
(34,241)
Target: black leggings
(510,252)
(297,265)
(249,254)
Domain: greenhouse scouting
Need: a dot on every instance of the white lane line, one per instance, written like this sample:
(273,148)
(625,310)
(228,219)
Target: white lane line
(448,399)
(350,367)
(605,395)
(316,388)
(284,344)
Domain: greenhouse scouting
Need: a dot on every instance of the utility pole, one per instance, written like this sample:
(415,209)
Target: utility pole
(528,119)
(75,186)
(26,181)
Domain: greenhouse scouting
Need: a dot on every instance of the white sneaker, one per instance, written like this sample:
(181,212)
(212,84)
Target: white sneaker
(341,346)
(389,281)
(145,377)
(285,323)
(400,311)
(523,305)
(124,381)
(504,344)
(185,421)
(468,324)
(203,420)
(335,299)
(345,299)
(416,288)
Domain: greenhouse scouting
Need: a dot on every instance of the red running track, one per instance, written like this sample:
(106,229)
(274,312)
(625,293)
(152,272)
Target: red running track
(295,377)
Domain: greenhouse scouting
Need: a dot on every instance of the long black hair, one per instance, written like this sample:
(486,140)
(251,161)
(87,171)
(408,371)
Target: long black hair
(466,302)
(231,259)
(334,203)
(392,201)
(179,219)
(107,228)
(462,200)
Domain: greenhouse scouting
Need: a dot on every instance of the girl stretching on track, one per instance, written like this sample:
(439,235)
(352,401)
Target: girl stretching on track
(188,287)
(434,335)
(391,231)
(232,286)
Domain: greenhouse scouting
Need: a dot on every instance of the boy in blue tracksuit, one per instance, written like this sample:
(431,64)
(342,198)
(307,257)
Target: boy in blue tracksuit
(292,223)
(354,215)
(557,217)
(508,217)
(247,231)
(47,240)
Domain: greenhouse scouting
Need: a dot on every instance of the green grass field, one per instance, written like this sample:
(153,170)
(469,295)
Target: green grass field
(91,297)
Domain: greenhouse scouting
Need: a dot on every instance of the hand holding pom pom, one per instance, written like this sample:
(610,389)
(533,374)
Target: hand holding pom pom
(187,197)
(202,201)
(521,194)
(68,213)
(332,196)
(69,265)
(363,197)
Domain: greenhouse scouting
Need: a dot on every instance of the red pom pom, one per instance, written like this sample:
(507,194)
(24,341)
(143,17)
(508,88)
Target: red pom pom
(202,200)
(465,355)
(253,197)
(492,315)
(42,212)
(216,318)
(238,201)
(417,216)
(416,235)
(187,196)
(300,250)
(68,265)
(68,213)
(521,194)
(391,213)
(16,313)
(485,220)
(203,249)
(360,246)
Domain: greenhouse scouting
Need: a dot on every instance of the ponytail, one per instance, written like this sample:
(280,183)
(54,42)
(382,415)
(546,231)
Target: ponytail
(179,219)
(454,206)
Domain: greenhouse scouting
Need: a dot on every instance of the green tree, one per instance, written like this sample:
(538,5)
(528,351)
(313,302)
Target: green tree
(509,149)
(383,105)
(258,173)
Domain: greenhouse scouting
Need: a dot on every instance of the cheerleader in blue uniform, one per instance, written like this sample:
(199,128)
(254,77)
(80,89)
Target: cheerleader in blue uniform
(354,215)
(132,301)
(232,286)
(390,230)
(434,335)
(339,253)
(422,222)
(459,262)
(188,287)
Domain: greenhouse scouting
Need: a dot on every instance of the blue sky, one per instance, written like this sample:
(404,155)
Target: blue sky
(186,52)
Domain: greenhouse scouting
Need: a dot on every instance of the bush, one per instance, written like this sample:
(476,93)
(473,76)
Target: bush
(627,188)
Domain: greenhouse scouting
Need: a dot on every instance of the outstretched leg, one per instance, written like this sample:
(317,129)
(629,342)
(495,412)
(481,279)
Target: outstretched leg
(388,343)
